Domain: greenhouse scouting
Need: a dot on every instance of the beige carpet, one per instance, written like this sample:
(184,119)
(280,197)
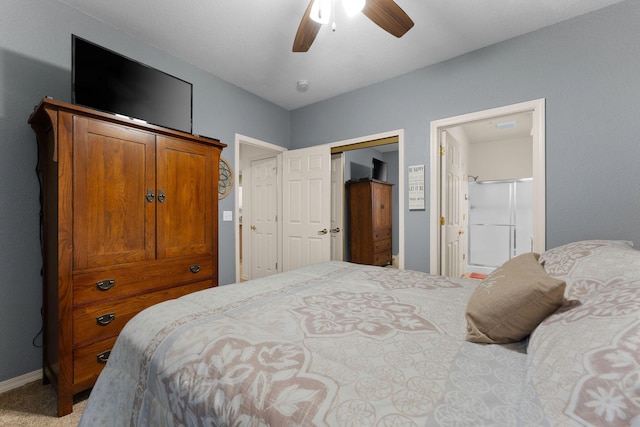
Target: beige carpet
(35,404)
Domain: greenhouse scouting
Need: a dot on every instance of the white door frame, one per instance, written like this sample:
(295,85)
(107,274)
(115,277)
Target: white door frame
(537,108)
(277,150)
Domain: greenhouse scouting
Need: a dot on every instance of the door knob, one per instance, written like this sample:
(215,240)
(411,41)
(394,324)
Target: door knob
(253,227)
(323,231)
(460,232)
(335,230)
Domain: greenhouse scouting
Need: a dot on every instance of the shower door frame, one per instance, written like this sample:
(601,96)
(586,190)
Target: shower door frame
(513,222)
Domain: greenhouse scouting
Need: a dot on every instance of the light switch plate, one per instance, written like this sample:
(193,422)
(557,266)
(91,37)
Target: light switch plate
(227,216)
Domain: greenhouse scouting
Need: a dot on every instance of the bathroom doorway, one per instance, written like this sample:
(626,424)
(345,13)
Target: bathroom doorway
(442,259)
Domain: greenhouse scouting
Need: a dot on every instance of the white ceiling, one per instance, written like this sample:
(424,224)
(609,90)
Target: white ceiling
(248,43)
(512,126)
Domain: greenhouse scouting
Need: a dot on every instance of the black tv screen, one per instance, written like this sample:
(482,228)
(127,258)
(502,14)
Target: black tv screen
(110,82)
(379,170)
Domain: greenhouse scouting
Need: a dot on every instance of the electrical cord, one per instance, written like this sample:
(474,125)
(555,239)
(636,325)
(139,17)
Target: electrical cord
(41,197)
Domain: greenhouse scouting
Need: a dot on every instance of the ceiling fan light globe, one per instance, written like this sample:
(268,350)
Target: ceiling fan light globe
(321,11)
(353,7)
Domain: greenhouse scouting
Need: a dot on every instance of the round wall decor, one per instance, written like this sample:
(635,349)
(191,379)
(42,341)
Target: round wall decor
(225,182)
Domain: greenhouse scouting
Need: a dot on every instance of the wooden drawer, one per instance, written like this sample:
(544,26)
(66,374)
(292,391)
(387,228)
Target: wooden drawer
(382,234)
(139,278)
(89,325)
(382,258)
(382,246)
(86,366)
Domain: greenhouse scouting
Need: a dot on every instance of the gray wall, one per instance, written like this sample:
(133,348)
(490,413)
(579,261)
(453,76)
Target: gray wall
(587,69)
(35,61)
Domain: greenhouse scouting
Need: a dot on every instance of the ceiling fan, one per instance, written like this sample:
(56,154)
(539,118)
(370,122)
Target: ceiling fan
(384,13)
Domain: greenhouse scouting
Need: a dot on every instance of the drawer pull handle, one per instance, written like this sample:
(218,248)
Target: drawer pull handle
(103,357)
(195,268)
(105,285)
(105,319)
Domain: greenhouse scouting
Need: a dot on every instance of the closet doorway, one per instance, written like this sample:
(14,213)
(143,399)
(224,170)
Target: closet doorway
(449,227)
(249,149)
(355,157)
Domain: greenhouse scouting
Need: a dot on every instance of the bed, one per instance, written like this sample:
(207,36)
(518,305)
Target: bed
(340,344)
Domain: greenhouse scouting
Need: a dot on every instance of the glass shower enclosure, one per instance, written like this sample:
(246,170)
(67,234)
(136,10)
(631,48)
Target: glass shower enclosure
(500,222)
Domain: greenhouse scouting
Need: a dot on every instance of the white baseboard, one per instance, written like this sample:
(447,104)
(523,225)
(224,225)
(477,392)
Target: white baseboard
(20,381)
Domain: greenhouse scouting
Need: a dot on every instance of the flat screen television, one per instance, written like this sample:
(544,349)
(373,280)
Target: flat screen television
(110,82)
(379,171)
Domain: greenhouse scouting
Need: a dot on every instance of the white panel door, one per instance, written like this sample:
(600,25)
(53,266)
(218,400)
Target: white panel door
(306,177)
(264,216)
(337,202)
(453,211)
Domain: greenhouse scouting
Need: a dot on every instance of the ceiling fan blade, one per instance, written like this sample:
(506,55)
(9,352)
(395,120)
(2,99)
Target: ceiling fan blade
(388,16)
(307,32)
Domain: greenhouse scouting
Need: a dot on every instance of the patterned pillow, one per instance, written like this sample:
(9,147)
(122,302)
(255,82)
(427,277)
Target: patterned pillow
(584,358)
(509,304)
(589,265)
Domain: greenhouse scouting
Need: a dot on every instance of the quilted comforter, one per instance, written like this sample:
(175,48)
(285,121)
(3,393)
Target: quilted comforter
(339,344)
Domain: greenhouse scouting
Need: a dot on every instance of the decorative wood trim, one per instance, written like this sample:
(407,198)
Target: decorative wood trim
(367,144)
(58,106)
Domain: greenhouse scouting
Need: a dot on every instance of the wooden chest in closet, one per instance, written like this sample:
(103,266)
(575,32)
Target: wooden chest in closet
(129,219)
(370,226)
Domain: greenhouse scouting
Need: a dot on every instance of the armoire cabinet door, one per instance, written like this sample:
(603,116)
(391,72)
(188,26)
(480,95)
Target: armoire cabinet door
(185,177)
(381,198)
(114,169)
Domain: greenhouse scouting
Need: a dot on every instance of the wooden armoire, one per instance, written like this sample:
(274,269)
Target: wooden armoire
(370,226)
(129,219)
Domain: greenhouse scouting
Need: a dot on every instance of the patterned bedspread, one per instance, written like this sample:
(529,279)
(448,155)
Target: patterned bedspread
(334,344)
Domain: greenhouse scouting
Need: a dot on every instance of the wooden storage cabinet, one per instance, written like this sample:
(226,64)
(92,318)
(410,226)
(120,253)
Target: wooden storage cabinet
(129,219)
(370,226)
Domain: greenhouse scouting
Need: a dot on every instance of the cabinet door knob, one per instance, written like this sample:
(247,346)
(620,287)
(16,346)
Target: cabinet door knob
(161,196)
(105,285)
(104,356)
(105,319)
(195,268)
(150,195)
